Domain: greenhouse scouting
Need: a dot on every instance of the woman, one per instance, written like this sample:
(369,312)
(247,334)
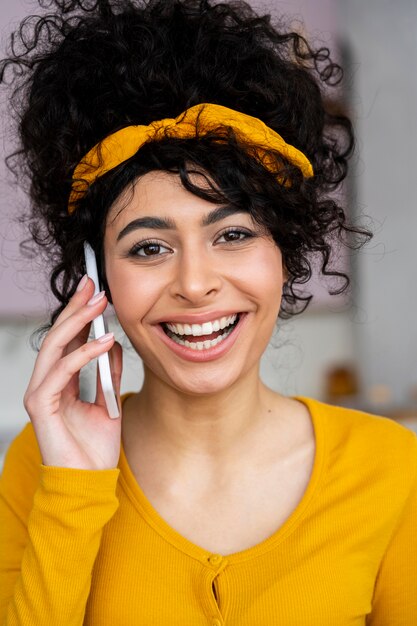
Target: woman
(188,142)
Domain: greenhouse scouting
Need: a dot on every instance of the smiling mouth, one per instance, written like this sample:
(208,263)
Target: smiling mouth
(185,333)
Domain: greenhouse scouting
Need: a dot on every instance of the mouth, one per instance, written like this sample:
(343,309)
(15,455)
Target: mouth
(204,336)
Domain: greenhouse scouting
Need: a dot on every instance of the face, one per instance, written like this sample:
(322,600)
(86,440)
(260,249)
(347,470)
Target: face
(196,286)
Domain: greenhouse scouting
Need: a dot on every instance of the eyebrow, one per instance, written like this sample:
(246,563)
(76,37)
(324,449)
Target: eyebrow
(167,223)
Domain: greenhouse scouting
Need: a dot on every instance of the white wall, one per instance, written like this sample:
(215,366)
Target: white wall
(300,351)
(383,38)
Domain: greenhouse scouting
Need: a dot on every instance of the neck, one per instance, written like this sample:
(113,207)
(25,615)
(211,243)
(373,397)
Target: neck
(217,425)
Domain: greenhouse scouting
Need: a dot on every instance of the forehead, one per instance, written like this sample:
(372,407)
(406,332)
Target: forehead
(158,192)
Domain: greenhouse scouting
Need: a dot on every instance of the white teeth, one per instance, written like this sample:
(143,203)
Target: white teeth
(207,328)
(201,345)
(197,330)
(223,322)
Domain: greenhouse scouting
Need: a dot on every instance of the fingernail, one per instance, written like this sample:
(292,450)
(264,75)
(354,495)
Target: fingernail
(105,338)
(82,283)
(96,298)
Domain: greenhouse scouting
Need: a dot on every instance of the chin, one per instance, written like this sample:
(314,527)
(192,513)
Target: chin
(203,389)
(208,383)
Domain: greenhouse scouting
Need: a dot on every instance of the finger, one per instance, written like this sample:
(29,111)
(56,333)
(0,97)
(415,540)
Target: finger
(116,363)
(45,400)
(79,340)
(55,344)
(81,296)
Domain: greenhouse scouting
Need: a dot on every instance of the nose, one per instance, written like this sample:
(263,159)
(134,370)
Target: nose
(198,277)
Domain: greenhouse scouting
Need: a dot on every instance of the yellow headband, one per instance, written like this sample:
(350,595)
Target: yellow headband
(123,144)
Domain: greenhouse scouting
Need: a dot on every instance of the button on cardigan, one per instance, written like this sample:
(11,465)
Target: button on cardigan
(81,547)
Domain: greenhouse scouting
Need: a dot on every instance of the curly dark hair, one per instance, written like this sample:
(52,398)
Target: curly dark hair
(86,68)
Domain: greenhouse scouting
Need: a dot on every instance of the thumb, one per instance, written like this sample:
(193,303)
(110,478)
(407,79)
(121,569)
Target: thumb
(116,367)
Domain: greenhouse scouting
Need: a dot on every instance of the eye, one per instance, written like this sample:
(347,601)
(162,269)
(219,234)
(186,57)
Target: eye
(148,249)
(235,235)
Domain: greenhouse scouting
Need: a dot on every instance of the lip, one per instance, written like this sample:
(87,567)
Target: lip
(200,356)
(198,318)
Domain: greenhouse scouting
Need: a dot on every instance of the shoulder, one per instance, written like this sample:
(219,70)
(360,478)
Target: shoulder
(364,431)
(367,451)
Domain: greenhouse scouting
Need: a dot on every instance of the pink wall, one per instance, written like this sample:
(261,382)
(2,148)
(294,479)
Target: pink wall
(319,16)
(23,284)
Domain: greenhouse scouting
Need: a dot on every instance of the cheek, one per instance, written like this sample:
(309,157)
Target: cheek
(263,273)
(133,292)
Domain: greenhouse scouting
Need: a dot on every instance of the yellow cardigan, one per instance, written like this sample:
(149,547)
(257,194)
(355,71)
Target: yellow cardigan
(87,547)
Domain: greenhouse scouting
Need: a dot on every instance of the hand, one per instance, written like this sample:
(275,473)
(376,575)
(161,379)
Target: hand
(70,432)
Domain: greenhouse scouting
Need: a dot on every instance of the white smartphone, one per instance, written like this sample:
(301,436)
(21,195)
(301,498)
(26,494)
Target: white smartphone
(100,330)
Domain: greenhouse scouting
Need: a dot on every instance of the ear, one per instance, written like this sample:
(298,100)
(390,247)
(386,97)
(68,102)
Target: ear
(105,286)
(285,273)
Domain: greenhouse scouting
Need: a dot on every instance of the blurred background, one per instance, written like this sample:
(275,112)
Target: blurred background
(360,350)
